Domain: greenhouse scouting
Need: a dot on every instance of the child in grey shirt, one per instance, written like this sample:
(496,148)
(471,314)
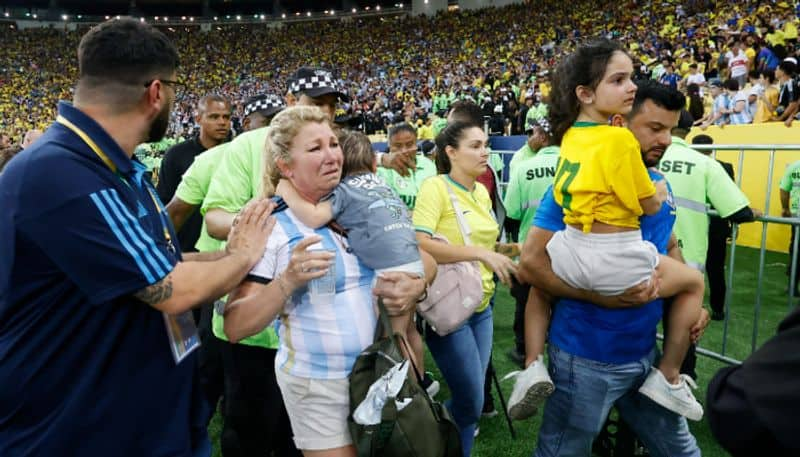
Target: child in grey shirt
(377,222)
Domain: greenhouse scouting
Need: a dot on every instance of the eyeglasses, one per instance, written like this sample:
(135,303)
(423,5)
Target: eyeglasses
(174,84)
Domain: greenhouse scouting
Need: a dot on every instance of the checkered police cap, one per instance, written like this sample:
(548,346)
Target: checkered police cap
(268,105)
(315,82)
(542,123)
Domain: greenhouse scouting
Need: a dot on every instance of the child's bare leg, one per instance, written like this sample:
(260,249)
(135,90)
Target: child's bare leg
(537,319)
(687,285)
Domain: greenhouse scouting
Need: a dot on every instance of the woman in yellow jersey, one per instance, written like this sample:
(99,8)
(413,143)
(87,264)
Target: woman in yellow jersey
(463,355)
(768,101)
(603,187)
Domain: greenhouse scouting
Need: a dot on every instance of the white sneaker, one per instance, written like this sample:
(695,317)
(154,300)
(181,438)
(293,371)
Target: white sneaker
(677,398)
(532,387)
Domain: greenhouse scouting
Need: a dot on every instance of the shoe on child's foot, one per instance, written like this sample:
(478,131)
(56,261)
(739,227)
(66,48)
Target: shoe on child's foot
(532,387)
(677,398)
(429,384)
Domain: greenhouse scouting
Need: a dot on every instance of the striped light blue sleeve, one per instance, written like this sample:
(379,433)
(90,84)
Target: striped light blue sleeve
(128,230)
(104,246)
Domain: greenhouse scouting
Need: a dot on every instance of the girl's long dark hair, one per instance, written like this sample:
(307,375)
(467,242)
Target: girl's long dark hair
(584,67)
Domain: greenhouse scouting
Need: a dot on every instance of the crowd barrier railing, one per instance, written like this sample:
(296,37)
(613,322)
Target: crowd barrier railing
(723,353)
(765,220)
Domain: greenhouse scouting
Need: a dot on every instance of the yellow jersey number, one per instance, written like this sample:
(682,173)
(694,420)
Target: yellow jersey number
(565,167)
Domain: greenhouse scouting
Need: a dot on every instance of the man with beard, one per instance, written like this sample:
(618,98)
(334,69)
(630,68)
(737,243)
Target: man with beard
(96,342)
(601,349)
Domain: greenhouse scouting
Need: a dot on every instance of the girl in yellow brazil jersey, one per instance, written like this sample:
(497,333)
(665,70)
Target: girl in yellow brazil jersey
(603,187)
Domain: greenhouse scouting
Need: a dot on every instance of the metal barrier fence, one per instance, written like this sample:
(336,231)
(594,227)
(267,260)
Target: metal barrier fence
(722,355)
(765,220)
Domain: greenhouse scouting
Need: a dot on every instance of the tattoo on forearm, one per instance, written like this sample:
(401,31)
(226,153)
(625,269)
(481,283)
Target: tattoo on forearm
(157,293)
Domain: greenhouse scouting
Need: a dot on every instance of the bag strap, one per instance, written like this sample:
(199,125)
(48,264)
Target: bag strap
(462,224)
(384,326)
(419,375)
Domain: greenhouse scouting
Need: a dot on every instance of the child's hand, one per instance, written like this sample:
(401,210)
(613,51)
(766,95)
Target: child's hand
(617,120)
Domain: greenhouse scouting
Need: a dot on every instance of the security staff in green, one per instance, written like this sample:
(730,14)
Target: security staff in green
(790,207)
(697,180)
(527,183)
(403,140)
(537,139)
(719,232)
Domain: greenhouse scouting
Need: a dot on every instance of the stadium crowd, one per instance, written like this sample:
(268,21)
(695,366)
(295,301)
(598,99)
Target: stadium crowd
(282,350)
(411,68)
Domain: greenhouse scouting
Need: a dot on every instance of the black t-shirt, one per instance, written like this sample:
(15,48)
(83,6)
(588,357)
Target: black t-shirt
(176,161)
(790,92)
(518,121)
(497,125)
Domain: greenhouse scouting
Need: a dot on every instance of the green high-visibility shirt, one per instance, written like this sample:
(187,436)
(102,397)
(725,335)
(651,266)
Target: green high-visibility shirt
(407,187)
(536,113)
(523,153)
(235,182)
(697,180)
(194,187)
(527,183)
(439,125)
(240,173)
(790,182)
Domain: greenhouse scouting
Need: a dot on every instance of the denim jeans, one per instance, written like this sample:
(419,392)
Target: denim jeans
(462,357)
(586,390)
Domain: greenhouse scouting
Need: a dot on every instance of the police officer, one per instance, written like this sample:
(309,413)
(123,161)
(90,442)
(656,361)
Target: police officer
(529,180)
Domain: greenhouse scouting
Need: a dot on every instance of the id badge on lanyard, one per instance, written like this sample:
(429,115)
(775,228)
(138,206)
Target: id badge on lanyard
(181,329)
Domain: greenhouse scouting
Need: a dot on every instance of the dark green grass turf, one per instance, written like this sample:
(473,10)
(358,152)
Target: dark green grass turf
(494,439)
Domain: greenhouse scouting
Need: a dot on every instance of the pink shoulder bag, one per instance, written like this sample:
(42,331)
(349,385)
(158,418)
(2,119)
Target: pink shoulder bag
(457,290)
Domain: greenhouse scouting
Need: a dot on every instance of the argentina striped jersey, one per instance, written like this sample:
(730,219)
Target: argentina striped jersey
(320,341)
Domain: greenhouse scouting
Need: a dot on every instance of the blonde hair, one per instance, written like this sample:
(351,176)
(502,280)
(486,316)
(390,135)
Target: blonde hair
(281,131)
